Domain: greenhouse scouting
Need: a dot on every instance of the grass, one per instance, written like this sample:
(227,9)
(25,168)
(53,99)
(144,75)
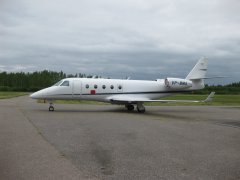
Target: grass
(7,95)
(219,100)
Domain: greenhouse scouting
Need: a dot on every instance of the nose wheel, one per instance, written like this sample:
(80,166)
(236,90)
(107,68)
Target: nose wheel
(51,108)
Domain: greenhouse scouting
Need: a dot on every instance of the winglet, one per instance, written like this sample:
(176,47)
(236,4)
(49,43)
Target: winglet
(210,97)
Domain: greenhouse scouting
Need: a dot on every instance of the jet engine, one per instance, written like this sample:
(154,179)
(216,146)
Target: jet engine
(176,83)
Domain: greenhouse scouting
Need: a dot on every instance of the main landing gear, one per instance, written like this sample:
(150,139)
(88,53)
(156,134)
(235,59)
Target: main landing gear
(129,107)
(51,108)
(140,107)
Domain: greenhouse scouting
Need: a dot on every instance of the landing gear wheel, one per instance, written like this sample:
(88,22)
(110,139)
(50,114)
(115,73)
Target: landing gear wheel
(141,110)
(130,107)
(51,108)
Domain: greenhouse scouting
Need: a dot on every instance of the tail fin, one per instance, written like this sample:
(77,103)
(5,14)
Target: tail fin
(199,70)
(198,74)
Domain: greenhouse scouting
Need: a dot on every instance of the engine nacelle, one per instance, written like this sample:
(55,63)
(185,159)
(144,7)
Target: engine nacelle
(176,83)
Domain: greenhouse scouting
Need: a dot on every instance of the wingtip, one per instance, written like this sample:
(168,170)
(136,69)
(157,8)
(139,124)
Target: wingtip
(210,97)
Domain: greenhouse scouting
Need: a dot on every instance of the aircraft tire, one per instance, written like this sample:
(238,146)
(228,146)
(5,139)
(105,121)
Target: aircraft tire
(51,108)
(130,107)
(141,110)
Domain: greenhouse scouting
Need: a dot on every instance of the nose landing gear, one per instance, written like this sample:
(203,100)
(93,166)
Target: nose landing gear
(51,108)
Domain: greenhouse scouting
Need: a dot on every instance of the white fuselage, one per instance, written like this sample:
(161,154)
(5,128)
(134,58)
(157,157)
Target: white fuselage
(104,89)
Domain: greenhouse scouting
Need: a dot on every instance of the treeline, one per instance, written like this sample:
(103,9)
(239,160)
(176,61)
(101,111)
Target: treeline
(233,88)
(29,82)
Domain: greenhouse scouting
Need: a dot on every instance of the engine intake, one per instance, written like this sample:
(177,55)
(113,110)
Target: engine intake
(176,83)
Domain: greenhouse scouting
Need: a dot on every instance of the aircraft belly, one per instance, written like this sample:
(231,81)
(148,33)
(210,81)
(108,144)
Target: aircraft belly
(96,97)
(60,97)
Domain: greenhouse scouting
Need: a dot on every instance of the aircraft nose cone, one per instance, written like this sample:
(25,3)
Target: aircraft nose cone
(32,96)
(35,95)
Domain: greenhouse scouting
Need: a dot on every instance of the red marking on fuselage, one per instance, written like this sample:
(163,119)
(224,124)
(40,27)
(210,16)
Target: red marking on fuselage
(93,91)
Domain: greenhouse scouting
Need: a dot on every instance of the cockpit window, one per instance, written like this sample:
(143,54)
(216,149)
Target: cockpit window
(65,83)
(58,83)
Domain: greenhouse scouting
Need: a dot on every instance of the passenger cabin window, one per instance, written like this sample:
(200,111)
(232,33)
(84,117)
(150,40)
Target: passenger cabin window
(87,86)
(119,87)
(65,83)
(104,86)
(95,86)
(112,87)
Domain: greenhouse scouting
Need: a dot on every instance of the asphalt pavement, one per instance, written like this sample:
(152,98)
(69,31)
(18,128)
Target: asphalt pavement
(107,142)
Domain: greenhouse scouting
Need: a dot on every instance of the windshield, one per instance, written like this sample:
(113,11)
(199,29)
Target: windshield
(65,83)
(58,83)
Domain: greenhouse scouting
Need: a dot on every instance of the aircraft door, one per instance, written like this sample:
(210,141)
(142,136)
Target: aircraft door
(77,88)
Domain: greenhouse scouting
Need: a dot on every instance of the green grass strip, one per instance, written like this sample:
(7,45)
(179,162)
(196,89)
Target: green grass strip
(219,100)
(7,95)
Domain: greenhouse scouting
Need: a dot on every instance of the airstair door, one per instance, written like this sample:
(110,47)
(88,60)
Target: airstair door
(77,88)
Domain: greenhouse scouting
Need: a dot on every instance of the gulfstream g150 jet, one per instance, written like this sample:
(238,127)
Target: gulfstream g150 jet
(126,92)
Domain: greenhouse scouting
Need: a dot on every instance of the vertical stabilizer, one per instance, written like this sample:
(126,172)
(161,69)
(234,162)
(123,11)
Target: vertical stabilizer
(199,70)
(198,74)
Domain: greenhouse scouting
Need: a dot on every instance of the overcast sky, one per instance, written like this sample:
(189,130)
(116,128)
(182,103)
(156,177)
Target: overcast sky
(143,39)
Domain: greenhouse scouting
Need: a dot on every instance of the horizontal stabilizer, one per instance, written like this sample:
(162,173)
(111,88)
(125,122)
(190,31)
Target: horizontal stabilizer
(214,77)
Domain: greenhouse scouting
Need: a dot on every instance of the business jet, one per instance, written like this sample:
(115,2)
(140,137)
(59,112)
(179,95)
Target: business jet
(131,93)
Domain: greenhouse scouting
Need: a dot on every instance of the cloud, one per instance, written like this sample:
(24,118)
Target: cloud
(17,68)
(137,38)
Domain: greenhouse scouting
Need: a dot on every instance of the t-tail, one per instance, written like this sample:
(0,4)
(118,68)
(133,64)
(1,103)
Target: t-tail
(198,74)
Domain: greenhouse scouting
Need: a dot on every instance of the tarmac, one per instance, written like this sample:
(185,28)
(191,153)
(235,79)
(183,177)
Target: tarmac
(107,142)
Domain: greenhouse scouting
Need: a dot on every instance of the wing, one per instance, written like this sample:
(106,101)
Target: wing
(134,100)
